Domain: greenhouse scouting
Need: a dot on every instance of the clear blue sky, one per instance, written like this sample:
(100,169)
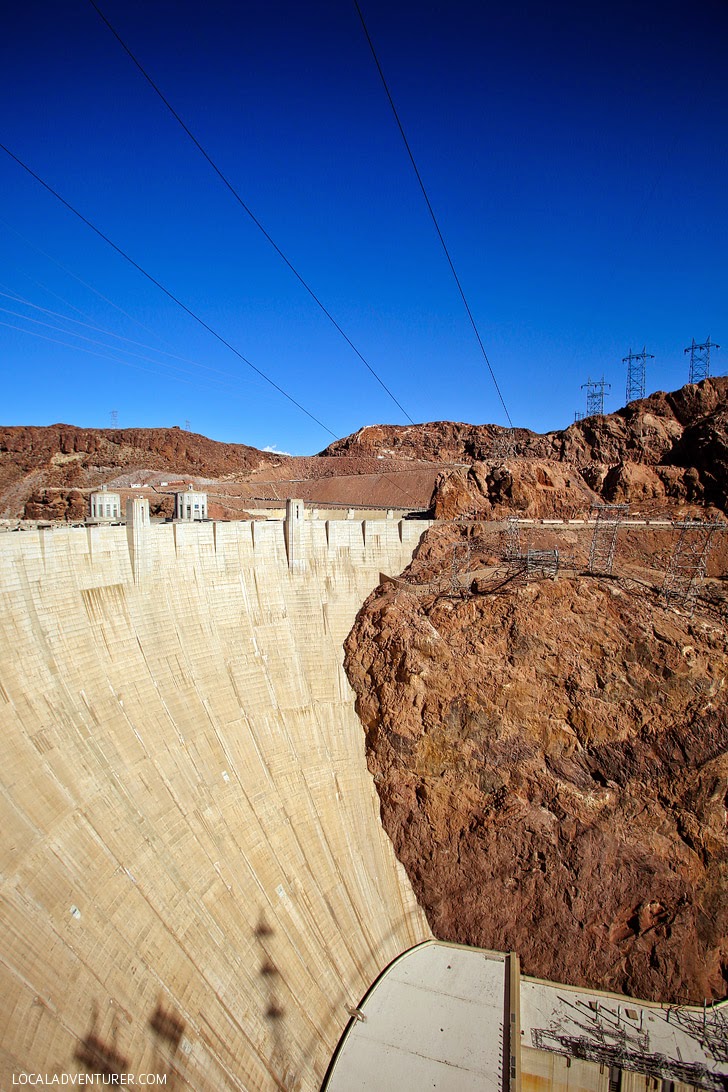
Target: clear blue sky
(575,155)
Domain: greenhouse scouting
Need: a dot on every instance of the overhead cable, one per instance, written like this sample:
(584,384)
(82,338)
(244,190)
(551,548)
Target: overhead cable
(166,291)
(248,210)
(80,280)
(93,352)
(165,369)
(432,213)
(118,337)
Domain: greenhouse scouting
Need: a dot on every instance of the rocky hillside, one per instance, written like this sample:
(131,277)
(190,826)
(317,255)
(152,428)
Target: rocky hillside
(645,431)
(552,765)
(65,459)
(668,449)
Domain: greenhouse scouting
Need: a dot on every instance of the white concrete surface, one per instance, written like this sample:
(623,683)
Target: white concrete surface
(188,826)
(433,1021)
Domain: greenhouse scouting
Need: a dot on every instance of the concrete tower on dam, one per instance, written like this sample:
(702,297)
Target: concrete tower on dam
(194,878)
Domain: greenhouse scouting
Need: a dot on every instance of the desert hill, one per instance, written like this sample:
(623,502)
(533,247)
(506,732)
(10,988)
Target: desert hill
(66,460)
(645,431)
(48,472)
(668,451)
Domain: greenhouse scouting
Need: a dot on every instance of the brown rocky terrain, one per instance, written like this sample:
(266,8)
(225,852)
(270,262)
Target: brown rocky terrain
(645,431)
(48,473)
(667,452)
(529,488)
(552,764)
(44,471)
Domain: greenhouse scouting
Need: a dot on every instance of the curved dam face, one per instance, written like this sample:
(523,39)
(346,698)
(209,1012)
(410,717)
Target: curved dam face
(194,879)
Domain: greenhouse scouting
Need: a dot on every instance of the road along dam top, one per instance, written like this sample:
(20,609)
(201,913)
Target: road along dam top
(193,874)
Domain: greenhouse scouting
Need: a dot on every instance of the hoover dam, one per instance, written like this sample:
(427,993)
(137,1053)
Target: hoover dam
(195,881)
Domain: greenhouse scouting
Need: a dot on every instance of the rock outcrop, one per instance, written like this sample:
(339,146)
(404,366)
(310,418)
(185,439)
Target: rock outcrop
(531,489)
(668,449)
(552,766)
(644,431)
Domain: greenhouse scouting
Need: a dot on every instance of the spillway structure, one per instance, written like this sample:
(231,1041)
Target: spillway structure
(194,880)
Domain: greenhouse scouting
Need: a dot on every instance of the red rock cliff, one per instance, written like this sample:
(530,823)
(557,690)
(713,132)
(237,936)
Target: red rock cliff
(553,772)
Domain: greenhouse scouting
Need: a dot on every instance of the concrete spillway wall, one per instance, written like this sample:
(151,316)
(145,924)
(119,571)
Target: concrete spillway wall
(193,876)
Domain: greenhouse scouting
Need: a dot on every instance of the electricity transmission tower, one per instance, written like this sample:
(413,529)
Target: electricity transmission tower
(114,415)
(595,396)
(512,540)
(460,561)
(578,416)
(542,563)
(636,373)
(604,539)
(700,360)
(688,562)
(504,446)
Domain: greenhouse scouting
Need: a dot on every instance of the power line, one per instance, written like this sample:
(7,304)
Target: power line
(111,333)
(85,284)
(166,291)
(432,213)
(226,182)
(174,370)
(194,382)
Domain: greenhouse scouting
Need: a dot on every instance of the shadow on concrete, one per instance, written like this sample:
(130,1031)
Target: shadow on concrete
(97,1054)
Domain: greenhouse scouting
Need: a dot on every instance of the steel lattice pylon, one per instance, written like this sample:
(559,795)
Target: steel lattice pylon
(512,544)
(595,389)
(504,446)
(604,539)
(460,561)
(542,562)
(688,562)
(700,359)
(636,369)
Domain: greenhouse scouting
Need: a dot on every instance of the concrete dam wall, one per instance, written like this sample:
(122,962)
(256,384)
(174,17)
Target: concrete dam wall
(194,880)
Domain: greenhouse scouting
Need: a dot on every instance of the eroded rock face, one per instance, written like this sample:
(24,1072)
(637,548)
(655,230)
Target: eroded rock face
(530,489)
(57,504)
(667,449)
(645,431)
(553,772)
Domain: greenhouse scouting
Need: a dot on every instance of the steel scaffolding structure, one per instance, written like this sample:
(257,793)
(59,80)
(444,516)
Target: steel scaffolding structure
(604,539)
